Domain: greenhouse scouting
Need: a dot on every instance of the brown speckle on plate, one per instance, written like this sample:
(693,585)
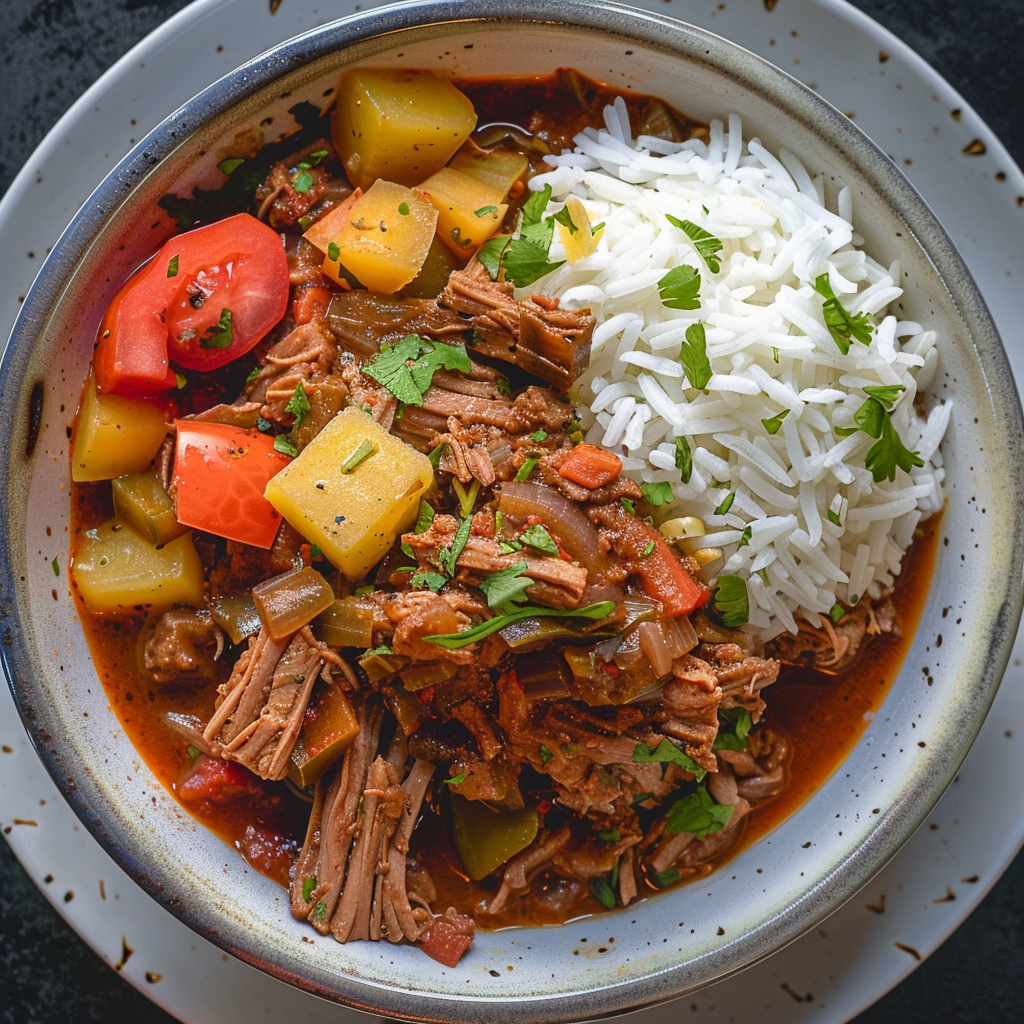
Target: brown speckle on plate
(126,952)
(152,977)
(948,898)
(908,949)
(879,907)
(883,56)
(975,148)
(956,114)
(809,998)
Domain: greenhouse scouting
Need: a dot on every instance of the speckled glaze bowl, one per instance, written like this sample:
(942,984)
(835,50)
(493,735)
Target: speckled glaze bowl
(665,946)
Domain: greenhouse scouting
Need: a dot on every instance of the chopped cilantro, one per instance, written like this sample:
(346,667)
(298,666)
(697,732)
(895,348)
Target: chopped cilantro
(333,251)
(403,209)
(308,885)
(505,588)
(889,452)
(657,494)
(427,579)
(775,353)
(317,157)
(221,333)
(833,517)
(285,445)
(180,379)
(367,588)
(364,451)
(378,651)
(425,517)
(707,246)
(667,753)
(303,181)
(565,217)
(539,435)
(298,404)
(467,499)
(55,565)
(836,612)
(524,258)
(731,602)
(602,891)
(627,504)
(680,287)
(193,754)
(407,367)
(528,466)
(315,552)
(693,354)
(545,754)
(648,550)
(663,879)
(698,814)
(227,166)
(538,537)
(870,417)
(490,253)
(842,324)
(773,423)
(455,780)
(684,459)
(320,910)
(725,504)
(172,266)
(885,393)
(608,836)
(736,739)
(434,455)
(448,557)
(484,210)
(263,425)
(748,532)
(253,373)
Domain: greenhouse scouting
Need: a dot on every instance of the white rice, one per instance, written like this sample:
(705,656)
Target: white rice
(769,350)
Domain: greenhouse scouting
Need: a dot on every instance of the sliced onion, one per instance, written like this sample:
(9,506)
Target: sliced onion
(574,529)
(652,643)
(500,453)
(679,635)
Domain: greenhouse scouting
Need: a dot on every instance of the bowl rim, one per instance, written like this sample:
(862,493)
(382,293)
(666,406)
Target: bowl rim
(654,31)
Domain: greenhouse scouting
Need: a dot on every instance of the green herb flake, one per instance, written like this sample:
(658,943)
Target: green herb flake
(731,602)
(263,425)
(773,423)
(667,753)
(193,754)
(303,181)
(775,354)
(539,435)
(565,218)
(748,532)
(490,253)
(403,209)
(648,550)
(455,780)
(427,579)
(298,404)
(607,836)
(180,380)
(538,537)
(315,552)
(836,612)
(602,891)
(407,367)
(320,910)
(425,517)
(363,452)
(506,588)
(172,266)
(448,557)
(545,754)
(842,324)
(698,814)
(889,452)
(221,335)
(680,287)
(525,258)
(434,455)
(55,565)
(663,879)
(318,157)
(725,504)
(657,494)
(627,504)
(229,165)
(333,251)
(253,373)
(363,591)
(833,517)
(693,354)
(870,417)
(308,885)
(528,466)
(736,739)
(285,445)
(381,651)
(484,210)
(885,393)
(684,459)
(453,641)
(708,247)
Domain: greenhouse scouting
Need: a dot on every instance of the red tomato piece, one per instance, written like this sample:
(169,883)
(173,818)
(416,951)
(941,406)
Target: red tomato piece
(206,298)
(219,782)
(590,466)
(447,938)
(220,474)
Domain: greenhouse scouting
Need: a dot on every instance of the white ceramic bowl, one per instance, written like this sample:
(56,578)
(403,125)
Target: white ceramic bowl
(665,946)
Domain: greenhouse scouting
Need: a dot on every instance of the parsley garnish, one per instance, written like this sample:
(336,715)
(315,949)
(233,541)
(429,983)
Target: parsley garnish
(425,518)
(263,425)
(609,836)
(693,354)
(564,217)
(667,753)
(227,166)
(285,445)
(434,455)
(684,460)
(333,251)
(506,587)
(490,253)
(842,324)
(545,754)
(885,393)
(836,612)
(706,244)
(484,210)
(680,287)
(407,367)
(648,550)
(303,181)
(528,466)
(172,266)
(427,579)
(773,423)
(657,494)
(362,591)
(748,532)
(455,780)
(889,452)
(55,565)
(603,893)
(448,557)
(253,373)
(364,451)
(538,537)
(298,404)
(627,504)
(379,651)
(308,885)
(737,739)
(539,435)
(221,337)
(725,504)
(452,641)
(403,209)
(180,379)
(731,601)
(833,517)
(663,879)
(698,814)
(525,258)
(320,910)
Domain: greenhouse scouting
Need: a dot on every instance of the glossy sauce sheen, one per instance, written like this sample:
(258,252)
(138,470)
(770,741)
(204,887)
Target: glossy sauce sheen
(822,716)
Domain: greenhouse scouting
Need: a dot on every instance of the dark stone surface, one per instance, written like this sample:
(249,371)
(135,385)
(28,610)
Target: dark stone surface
(50,51)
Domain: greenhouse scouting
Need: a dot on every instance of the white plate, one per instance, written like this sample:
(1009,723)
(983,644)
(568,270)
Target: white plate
(827,976)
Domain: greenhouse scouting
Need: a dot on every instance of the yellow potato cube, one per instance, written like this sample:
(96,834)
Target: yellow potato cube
(399,125)
(116,569)
(499,168)
(384,239)
(353,516)
(115,435)
(468,211)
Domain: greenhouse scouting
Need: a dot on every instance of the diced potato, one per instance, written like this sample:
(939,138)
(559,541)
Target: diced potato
(331,224)
(498,168)
(116,568)
(580,240)
(352,517)
(384,238)
(115,435)
(141,501)
(468,211)
(398,125)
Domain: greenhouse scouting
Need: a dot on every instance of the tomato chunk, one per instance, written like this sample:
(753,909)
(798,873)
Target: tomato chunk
(206,298)
(590,466)
(220,473)
(447,938)
(219,782)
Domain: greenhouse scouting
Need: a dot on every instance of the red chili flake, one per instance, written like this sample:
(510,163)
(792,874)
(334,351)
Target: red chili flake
(533,521)
(612,669)
(426,696)
(543,806)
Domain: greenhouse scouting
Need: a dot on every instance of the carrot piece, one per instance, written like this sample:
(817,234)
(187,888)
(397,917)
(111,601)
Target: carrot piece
(310,303)
(590,466)
(663,577)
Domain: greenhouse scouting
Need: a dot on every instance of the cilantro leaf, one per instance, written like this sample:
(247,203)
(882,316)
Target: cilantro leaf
(403,209)
(684,459)
(657,494)
(425,518)
(455,780)
(449,556)
(538,537)
(490,253)
(680,287)
(841,323)
(648,549)
(748,532)
(667,753)
(303,181)
(725,504)
(528,466)
(253,373)
(602,891)
(407,367)
(308,885)
(427,579)
(731,602)
(693,354)
(870,417)
(219,335)
(565,217)
(298,404)
(333,251)
(525,258)
(227,166)
(773,423)
(663,879)
(452,641)
(885,393)
(285,445)
(737,738)
(833,517)
(545,754)
(706,244)
(889,452)
(506,587)
(628,505)
(698,814)
(172,266)
(364,451)
(484,210)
